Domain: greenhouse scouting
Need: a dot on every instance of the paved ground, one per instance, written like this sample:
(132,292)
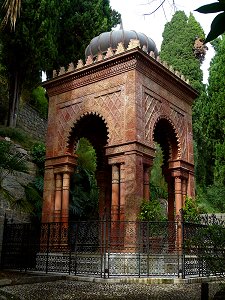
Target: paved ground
(78,290)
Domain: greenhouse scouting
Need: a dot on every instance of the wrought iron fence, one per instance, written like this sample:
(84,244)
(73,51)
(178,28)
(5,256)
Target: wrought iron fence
(107,249)
(204,247)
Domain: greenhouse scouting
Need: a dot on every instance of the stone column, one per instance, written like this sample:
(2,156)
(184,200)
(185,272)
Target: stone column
(178,204)
(122,191)
(115,193)
(65,197)
(115,226)
(178,195)
(58,197)
(191,185)
(184,191)
(48,206)
(146,189)
(171,199)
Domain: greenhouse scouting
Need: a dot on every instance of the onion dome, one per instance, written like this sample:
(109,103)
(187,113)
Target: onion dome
(105,40)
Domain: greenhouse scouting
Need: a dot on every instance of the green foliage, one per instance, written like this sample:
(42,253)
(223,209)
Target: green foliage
(87,158)
(158,186)
(214,116)
(34,190)
(177,47)
(79,22)
(191,211)
(11,161)
(219,170)
(33,196)
(209,135)
(218,24)
(84,195)
(38,155)
(208,241)
(210,199)
(39,101)
(17,135)
(49,34)
(3,94)
(177,50)
(151,211)
(84,191)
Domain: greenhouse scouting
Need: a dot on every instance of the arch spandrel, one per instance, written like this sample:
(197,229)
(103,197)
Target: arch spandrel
(156,109)
(109,106)
(78,130)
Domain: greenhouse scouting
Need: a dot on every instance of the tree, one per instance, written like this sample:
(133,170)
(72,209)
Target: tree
(49,34)
(218,24)
(177,50)
(214,118)
(29,48)
(213,126)
(209,130)
(158,186)
(12,11)
(177,47)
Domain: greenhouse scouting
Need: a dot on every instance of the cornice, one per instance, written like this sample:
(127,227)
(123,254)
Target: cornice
(121,63)
(98,71)
(165,78)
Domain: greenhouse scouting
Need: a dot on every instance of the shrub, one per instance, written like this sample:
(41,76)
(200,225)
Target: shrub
(39,101)
(151,211)
(38,155)
(191,211)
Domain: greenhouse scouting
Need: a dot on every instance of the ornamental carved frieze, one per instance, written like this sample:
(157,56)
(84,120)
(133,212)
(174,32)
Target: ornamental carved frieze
(106,105)
(89,75)
(178,119)
(152,107)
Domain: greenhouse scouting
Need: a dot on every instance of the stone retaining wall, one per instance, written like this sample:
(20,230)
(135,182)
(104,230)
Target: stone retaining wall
(31,122)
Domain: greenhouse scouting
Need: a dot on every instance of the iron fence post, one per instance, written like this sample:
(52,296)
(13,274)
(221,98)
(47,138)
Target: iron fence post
(69,245)
(148,249)
(103,243)
(4,234)
(22,248)
(139,249)
(182,244)
(47,252)
(108,245)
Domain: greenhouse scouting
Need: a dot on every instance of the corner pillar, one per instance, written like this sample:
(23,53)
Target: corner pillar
(146,189)
(115,192)
(58,198)
(178,195)
(65,197)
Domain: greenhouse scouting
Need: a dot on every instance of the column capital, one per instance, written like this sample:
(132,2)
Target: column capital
(182,174)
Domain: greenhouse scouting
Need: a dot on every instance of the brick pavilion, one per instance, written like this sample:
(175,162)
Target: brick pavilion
(123,99)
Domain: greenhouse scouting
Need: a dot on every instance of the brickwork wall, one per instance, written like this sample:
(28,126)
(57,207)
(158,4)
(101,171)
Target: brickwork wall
(31,122)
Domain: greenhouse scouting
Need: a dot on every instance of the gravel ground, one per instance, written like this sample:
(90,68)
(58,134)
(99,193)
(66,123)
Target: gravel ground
(77,290)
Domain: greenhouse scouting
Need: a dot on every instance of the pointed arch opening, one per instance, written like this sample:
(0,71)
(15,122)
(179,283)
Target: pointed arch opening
(167,141)
(92,132)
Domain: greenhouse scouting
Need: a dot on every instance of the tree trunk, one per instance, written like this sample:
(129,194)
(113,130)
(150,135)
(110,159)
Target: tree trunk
(15,85)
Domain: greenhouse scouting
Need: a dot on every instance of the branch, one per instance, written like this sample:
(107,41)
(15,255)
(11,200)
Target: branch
(161,4)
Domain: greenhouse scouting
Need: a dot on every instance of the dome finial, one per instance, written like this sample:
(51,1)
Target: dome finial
(121,23)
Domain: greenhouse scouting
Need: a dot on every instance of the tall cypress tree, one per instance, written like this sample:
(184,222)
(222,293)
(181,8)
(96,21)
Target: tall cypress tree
(214,117)
(177,47)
